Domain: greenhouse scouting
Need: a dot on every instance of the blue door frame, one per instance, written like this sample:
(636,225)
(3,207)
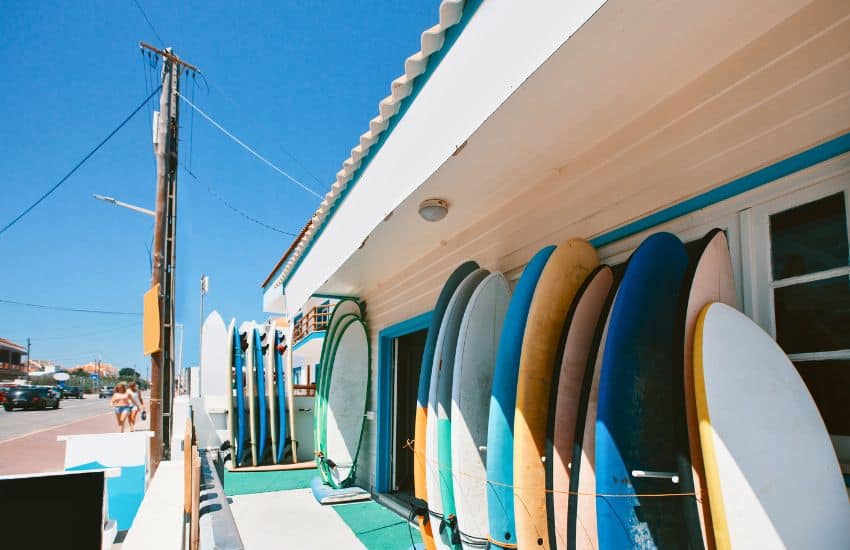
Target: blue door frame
(383,453)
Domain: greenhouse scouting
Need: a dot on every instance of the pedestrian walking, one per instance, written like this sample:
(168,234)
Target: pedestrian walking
(121,404)
(137,403)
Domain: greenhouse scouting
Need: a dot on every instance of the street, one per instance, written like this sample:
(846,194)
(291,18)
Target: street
(28,438)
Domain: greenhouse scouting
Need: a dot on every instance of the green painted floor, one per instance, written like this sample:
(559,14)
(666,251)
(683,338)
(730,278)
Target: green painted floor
(249,483)
(376,527)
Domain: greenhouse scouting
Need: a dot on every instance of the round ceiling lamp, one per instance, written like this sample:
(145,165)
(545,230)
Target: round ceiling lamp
(433,210)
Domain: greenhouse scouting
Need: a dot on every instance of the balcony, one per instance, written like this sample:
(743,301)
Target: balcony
(314,320)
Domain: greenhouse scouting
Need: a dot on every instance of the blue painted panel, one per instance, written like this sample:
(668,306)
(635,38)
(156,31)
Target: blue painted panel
(383,482)
(500,430)
(636,422)
(124,493)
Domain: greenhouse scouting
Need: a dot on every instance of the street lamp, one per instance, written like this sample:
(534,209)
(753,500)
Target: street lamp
(132,207)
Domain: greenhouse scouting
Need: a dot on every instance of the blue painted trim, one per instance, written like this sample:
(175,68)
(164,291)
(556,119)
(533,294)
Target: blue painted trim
(384,409)
(800,161)
(311,336)
(434,61)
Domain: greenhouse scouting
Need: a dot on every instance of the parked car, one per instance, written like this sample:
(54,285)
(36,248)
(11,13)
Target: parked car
(72,392)
(31,398)
(106,391)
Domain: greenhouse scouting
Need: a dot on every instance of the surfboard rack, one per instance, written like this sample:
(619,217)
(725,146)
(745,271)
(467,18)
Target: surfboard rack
(672,476)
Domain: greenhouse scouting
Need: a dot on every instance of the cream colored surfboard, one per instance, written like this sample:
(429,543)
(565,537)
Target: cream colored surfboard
(578,342)
(772,474)
(566,270)
(712,281)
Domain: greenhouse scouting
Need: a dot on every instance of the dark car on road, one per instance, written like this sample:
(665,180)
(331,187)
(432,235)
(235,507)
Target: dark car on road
(31,398)
(106,391)
(72,392)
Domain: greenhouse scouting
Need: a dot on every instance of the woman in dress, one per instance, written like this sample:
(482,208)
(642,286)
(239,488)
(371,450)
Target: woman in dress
(121,404)
(137,403)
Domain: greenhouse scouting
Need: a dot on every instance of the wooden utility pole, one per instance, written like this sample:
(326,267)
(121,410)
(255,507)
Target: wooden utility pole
(164,250)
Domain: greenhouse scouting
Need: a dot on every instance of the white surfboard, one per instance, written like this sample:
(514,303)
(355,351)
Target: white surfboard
(268,331)
(433,473)
(230,396)
(347,396)
(475,359)
(772,474)
(215,358)
(251,387)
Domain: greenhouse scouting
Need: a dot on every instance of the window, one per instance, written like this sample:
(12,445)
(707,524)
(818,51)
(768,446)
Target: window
(801,281)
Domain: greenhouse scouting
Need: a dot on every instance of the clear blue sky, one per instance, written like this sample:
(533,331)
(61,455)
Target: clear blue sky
(296,80)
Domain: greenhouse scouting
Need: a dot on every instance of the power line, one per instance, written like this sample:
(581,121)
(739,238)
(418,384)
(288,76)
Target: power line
(79,164)
(71,309)
(150,24)
(224,201)
(248,148)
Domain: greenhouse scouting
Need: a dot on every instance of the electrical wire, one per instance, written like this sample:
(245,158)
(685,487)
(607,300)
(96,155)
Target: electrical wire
(70,309)
(249,149)
(150,24)
(79,164)
(224,201)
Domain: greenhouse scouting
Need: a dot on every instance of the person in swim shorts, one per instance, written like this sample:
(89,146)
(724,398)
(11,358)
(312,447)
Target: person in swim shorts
(137,403)
(121,404)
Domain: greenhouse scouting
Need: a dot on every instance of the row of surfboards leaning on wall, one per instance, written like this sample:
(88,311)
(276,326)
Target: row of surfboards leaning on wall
(256,402)
(589,408)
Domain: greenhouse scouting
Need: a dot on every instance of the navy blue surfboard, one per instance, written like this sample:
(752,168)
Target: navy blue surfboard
(240,396)
(500,427)
(260,397)
(637,421)
(281,397)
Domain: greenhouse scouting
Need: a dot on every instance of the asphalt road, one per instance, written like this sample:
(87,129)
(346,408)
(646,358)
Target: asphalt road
(17,423)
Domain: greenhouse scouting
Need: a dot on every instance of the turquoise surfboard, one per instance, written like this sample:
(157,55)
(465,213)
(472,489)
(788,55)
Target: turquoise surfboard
(637,424)
(500,430)
(241,411)
(262,429)
(281,396)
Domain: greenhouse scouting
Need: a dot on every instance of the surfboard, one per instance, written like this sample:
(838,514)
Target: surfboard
(419,461)
(233,350)
(240,347)
(567,383)
(475,359)
(267,336)
(342,308)
(709,279)
(260,396)
(215,352)
(348,390)
(581,508)
(280,377)
(772,474)
(567,268)
(635,423)
(251,390)
(500,427)
(438,427)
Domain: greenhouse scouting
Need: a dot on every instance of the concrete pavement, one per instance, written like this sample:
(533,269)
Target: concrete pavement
(28,438)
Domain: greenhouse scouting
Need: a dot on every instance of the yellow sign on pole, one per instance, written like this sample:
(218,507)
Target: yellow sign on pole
(150,321)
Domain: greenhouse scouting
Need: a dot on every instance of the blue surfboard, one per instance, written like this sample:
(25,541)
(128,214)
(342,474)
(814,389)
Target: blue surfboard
(500,430)
(262,429)
(636,419)
(240,397)
(281,397)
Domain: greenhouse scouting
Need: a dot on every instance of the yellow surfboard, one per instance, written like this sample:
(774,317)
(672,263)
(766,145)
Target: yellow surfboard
(564,273)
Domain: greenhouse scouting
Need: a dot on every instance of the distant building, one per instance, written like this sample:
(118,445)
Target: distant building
(105,369)
(12,362)
(43,366)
